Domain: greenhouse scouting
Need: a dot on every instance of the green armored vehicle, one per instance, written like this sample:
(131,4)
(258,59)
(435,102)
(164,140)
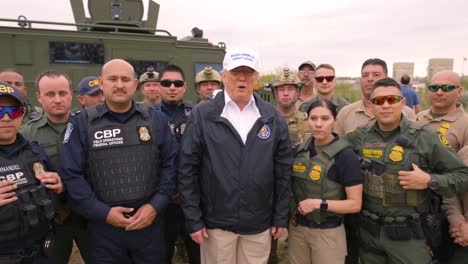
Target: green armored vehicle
(115,29)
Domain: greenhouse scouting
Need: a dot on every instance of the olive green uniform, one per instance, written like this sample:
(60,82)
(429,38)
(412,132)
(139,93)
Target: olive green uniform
(390,224)
(50,136)
(338,101)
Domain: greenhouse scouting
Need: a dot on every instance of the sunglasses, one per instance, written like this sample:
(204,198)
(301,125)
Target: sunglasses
(168,83)
(444,87)
(390,99)
(320,79)
(12,111)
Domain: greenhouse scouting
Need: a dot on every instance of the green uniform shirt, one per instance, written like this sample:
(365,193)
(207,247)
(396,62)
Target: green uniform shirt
(49,135)
(439,158)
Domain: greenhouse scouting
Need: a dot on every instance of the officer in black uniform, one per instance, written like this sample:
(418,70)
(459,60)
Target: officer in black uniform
(118,162)
(172,90)
(27,188)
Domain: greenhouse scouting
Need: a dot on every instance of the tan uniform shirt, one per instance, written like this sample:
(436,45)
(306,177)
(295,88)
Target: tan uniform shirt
(454,126)
(354,115)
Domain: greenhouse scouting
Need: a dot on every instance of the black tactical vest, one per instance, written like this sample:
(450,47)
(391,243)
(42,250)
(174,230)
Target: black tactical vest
(32,215)
(123,159)
(310,178)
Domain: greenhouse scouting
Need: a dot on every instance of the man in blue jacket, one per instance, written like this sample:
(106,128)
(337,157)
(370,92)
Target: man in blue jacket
(235,168)
(118,165)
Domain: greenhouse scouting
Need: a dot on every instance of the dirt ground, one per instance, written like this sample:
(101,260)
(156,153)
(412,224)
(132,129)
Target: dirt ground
(282,254)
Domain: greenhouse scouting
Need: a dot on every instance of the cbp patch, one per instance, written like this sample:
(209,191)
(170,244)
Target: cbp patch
(144,133)
(264,132)
(315,172)
(68,133)
(443,140)
(396,154)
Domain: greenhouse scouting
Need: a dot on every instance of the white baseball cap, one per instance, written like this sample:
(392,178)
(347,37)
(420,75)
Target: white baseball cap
(240,57)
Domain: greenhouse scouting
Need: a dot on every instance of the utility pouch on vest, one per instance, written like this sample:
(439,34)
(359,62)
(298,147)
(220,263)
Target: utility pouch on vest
(416,226)
(29,210)
(40,196)
(369,222)
(394,195)
(397,228)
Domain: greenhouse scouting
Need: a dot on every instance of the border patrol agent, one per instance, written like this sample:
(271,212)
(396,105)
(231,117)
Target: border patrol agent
(450,119)
(118,164)
(54,92)
(324,80)
(207,81)
(326,183)
(402,163)
(149,87)
(286,88)
(173,88)
(27,189)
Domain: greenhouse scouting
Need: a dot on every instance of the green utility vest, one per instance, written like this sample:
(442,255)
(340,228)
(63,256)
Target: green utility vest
(381,163)
(310,177)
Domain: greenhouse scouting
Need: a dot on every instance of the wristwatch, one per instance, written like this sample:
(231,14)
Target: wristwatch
(433,183)
(323,205)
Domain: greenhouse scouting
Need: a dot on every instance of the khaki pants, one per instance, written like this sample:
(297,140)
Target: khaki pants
(224,247)
(315,246)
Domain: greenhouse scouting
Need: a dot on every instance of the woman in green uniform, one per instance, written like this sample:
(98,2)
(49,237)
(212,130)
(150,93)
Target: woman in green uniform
(327,183)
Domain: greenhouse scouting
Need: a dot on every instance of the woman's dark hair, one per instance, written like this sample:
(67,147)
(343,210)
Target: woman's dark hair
(324,103)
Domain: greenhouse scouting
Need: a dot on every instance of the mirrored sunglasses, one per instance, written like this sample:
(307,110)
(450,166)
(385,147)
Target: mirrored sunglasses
(12,111)
(390,99)
(444,87)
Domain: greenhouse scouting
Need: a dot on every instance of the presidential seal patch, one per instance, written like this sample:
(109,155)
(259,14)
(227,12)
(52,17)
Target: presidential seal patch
(264,132)
(396,154)
(144,133)
(443,140)
(315,173)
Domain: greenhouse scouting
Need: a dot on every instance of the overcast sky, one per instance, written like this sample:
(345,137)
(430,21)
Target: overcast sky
(342,33)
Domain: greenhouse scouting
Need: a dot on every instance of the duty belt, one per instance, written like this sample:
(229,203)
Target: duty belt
(330,223)
(396,228)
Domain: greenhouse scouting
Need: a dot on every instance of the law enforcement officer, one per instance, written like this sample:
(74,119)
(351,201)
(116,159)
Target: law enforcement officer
(54,93)
(234,201)
(286,88)
(306,75)
(173,87)
(89,92)
(16,79)
(326,183)
(449,118)
(207,81)
(402,163)
(359,113)
(118,165)
(27,188)
(325,83)
(149,87)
